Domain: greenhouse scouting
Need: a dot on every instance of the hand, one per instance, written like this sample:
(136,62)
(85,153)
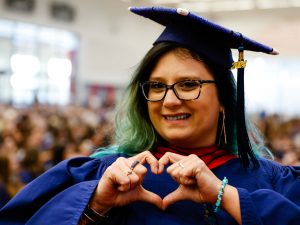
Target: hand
(196,181)
(117,187)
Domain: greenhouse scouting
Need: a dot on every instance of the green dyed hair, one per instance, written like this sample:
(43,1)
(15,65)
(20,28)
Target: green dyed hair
(134,130)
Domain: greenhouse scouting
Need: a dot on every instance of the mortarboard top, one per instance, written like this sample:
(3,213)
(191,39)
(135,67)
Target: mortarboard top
(215,43)
(210,39)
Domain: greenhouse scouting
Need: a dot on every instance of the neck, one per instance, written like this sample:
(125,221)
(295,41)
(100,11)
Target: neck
(190,147)
(212,156)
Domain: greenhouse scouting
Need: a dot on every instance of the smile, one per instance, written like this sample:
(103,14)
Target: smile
(178,117)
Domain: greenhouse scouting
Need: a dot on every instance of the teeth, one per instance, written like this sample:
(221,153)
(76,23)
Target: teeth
(181,117)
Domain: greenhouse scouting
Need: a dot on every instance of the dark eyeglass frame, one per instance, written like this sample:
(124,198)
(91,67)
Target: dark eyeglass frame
(167,87)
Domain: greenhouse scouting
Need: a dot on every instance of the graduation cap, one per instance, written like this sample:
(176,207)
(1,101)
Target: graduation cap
(215,43)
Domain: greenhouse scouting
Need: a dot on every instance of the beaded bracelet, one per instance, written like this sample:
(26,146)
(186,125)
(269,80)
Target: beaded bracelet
(220,194)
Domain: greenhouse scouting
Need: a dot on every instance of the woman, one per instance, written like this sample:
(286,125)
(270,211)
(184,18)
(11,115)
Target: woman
(178,160)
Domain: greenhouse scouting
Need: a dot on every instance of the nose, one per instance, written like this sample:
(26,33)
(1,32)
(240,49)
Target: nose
(171,99)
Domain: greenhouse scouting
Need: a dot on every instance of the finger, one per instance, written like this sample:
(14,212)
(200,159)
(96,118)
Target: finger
(134,164)
(125,171)
(174,170)
(124,166)
(140,171)
(190,167)
(181,173)
(185,175)
(175,196)
(148,196)
(147,157)
(117,177)
(133,171)
(167,158)
(177,166)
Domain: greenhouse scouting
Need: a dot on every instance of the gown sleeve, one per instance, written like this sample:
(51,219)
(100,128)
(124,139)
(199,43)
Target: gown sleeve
(56,197)
(277,206)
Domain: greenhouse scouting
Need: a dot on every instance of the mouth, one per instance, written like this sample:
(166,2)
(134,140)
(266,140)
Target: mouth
(177,117)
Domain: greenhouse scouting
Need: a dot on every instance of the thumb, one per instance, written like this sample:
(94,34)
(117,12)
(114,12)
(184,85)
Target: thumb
(173,197)
(148,196)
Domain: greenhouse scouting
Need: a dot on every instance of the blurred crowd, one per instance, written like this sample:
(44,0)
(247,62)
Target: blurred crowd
(34,139)
(282,136)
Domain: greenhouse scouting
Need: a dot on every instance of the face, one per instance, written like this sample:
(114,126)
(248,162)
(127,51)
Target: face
(182,123)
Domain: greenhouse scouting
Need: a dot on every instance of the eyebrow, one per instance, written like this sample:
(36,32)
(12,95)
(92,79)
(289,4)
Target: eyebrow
(187,77)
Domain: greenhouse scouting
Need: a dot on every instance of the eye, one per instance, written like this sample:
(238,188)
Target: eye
(157,86)
(188,85)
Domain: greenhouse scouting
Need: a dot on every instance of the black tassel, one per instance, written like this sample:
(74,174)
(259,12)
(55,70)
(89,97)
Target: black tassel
(244,146)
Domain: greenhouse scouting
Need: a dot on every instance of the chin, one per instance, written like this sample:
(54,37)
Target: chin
(178,140)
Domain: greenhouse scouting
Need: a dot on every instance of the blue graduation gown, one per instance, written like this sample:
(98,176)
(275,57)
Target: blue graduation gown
(269,194)
(4,195)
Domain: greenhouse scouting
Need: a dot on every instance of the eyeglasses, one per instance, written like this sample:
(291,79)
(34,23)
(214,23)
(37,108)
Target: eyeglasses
(184,90)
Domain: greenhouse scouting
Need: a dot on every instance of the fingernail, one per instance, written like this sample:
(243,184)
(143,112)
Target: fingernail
(153,169)
(161,168)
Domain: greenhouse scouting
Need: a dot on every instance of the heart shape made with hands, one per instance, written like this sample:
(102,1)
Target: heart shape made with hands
(185,170)
(121,183)
(118,187)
